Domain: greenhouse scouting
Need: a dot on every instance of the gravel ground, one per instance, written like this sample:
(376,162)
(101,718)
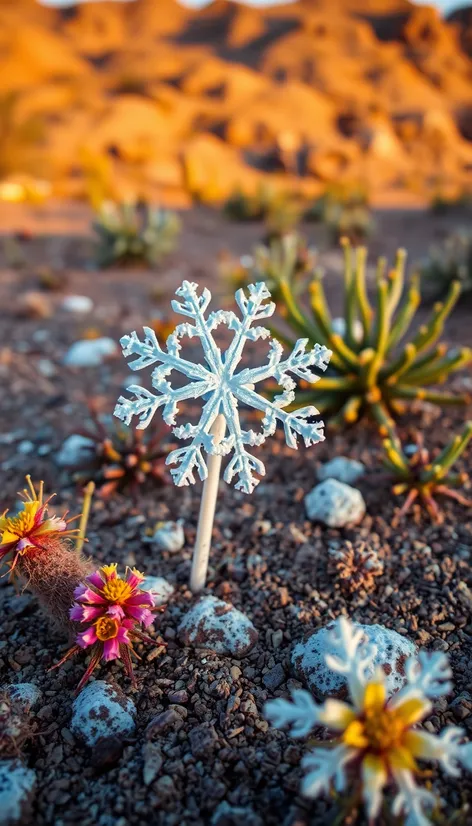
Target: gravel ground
(267,560)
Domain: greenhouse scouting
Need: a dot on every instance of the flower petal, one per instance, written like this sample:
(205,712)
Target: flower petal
(355,736)
(402,758)
(86,638)
(111,649)
(95,580)
(375,695)
(411,709)
(336,715)
(374,778)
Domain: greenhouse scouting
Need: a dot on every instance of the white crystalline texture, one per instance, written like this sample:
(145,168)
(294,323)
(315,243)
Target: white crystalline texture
(393,650)
(169,537)
(74,450)
(159,588)
(343,469)
(221,387)
(102,711)
(217,625)
(17,789)
(90,352)
(26,693)
(335,504)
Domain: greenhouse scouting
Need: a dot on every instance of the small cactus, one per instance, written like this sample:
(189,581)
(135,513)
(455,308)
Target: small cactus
(37,548)
(373,372)
(134,233)
(419,476)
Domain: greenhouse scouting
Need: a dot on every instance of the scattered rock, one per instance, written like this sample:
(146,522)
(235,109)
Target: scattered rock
(169,536)
(26,693)
(274,677)
(74,451)
(153,761)
(215,624)
(107,752)
(77,304)
(343,469)
(335,504)
(102,711)
(34,305)
(308,659)
(203,740)
(17,791)
(166,719)
(90,352)
(226,815)
(159,588)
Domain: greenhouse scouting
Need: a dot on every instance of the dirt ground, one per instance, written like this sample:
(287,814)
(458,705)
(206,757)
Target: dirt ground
(267,558)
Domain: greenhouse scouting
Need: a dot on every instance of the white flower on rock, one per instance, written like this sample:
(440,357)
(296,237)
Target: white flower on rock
(376,742)
(221,386)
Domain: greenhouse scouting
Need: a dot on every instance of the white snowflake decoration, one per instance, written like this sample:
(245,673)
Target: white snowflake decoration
(220,386)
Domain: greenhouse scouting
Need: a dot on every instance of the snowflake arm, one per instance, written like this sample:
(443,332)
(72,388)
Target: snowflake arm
(412,801)
(194,306)
(325,768)
(428,674)
(351,656)
(300,715)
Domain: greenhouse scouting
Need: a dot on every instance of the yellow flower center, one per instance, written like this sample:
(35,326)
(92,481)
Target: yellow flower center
(106,628)
(383,730)
(117,590)
(20,526)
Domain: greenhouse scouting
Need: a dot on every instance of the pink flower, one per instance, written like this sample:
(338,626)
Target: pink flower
(113,608)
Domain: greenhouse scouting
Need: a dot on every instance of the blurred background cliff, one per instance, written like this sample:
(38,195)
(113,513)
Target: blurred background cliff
(150,99)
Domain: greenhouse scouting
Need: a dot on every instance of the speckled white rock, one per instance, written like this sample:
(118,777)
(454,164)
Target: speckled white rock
(90,352)
(170,537)
(26,693)
(102,711)
(77,304)
(17,790)
(339,326)
(217,625)
(159,588)
(335,504)
(343,469)
(308,659)
(74,450)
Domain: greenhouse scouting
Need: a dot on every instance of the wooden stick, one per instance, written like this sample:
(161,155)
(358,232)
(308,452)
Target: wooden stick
(201,551)
(88,493)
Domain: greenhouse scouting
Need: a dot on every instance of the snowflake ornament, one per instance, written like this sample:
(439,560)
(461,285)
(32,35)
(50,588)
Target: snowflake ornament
(221,385)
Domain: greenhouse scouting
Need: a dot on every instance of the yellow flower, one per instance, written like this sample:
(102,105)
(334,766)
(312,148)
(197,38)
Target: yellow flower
(31,528)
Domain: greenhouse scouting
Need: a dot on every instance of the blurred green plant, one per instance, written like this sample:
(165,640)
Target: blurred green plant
(419,476)
(371,370)
(280,211)
(447,262)
(344,210)
(134,233)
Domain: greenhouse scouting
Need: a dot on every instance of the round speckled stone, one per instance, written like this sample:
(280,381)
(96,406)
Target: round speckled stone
(308,659)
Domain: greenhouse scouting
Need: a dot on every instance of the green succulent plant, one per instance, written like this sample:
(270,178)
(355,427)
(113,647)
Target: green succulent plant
(280,211)
(419,476)
(345,212)
(134,233)
(286,258)
(450,261)
(372,369)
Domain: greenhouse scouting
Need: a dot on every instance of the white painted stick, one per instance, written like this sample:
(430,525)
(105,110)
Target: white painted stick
(201,551)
